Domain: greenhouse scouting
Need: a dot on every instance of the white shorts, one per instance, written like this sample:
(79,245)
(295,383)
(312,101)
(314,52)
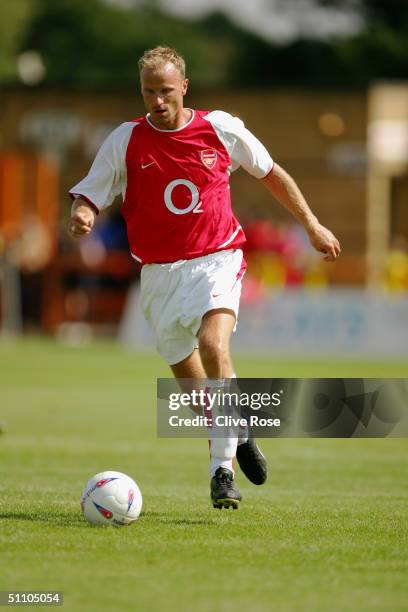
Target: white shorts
(176,296)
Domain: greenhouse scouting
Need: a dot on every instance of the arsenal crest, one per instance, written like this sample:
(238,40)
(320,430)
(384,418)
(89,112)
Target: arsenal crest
(209,157)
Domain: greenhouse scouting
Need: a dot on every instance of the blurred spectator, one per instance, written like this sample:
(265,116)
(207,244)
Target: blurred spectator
(396,274)
(279,255)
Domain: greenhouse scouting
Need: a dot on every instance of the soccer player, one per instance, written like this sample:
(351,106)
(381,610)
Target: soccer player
(172,168)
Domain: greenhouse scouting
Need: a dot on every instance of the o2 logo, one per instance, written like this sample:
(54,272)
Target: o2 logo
(195,204)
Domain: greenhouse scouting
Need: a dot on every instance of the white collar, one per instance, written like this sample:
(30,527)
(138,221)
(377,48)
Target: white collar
(177,129)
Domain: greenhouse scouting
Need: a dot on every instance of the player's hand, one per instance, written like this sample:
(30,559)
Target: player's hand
(82,220)
(324,241)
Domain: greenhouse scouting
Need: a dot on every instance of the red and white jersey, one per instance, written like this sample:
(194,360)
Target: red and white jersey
(175,183)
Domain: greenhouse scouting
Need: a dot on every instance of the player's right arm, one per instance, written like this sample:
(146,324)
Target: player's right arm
(104,181)
(82,218)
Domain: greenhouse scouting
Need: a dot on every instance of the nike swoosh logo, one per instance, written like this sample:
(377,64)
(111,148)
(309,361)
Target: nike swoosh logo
(147,165)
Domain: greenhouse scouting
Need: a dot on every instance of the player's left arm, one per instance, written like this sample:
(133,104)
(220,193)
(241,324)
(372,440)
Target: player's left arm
(247,151)
(282,186)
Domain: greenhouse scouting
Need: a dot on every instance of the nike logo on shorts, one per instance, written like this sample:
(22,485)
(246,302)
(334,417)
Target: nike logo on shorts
(143,166)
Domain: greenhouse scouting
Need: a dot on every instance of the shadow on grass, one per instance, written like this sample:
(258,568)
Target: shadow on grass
(168,519)
(62,519)
(73,519)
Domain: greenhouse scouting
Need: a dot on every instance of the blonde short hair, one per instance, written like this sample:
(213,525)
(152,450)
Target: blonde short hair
(157,58)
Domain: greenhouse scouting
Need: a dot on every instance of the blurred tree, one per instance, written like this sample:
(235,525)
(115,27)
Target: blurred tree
(391,13)
(387,13)
(15,17)
(95,43)
(381,50)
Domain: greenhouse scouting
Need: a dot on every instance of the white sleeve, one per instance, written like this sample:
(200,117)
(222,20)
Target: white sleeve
(107,176)
(243,147)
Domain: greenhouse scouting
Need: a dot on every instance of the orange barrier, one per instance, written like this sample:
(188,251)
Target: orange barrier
(28,190)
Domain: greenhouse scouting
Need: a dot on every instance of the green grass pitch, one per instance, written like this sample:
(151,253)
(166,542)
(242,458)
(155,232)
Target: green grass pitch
(327,532)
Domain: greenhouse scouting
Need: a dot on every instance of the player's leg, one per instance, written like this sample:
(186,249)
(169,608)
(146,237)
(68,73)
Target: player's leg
(190,367)
(190,375)
(177,344)
(176,325)
(214,342)
(223,492)
(214,335)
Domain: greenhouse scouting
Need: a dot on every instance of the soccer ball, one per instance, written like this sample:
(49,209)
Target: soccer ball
(111,498)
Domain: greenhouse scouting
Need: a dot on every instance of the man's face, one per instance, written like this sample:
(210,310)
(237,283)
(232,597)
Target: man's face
(163,91)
